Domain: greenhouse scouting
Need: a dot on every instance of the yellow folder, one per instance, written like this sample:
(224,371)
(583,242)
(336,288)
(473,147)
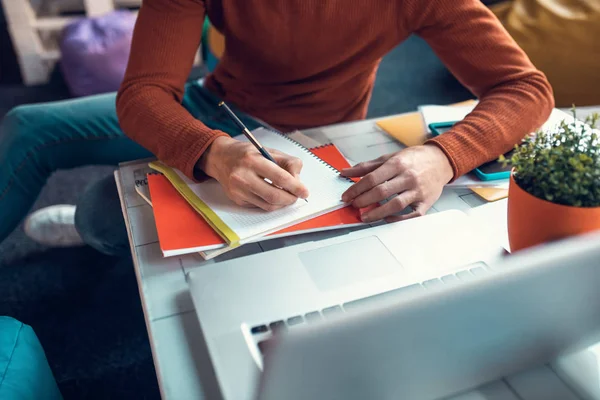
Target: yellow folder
(406,128)
(204,210)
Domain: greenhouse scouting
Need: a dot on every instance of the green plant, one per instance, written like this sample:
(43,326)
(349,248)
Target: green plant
(562,165)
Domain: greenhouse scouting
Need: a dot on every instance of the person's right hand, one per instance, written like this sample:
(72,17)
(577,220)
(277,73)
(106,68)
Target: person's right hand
(242,170)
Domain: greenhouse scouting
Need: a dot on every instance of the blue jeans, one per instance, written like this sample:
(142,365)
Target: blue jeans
(36,140)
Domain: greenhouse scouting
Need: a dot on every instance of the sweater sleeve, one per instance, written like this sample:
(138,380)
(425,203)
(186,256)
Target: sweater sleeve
(515,98)
(165,39)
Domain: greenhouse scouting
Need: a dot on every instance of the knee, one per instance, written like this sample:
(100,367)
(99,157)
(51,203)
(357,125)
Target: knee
(99,220)
(19,126)
(19,119)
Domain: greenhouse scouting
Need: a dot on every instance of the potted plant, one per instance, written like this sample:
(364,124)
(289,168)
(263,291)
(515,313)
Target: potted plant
(554,189)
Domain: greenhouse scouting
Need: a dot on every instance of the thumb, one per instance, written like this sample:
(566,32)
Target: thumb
(291,164)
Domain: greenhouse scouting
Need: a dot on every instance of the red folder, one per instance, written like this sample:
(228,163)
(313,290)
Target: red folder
(182,230)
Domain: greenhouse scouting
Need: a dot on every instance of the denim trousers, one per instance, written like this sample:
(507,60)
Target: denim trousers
(36,140)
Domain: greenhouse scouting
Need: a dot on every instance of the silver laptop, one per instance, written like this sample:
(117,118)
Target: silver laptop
(534,307)
(242,302)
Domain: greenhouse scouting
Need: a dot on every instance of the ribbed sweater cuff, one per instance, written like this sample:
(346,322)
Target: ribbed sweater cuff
(186,162)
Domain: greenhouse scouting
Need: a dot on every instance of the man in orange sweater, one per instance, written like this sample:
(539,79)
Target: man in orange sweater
(297,64)
(304,63)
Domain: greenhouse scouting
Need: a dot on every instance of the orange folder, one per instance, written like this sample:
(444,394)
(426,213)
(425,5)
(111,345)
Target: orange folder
(182,230)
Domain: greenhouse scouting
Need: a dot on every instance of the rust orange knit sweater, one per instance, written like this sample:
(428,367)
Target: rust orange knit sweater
(303,63)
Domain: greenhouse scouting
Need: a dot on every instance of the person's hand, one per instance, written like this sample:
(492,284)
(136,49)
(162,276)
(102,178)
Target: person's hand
(242,170)
(416,174)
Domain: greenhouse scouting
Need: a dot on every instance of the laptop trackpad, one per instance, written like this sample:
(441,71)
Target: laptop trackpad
(343,264)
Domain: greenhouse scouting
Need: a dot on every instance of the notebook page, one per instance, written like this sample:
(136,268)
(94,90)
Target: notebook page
(324,184)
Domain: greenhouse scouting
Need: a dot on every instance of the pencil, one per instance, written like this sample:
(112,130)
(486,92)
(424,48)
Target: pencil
(248,134)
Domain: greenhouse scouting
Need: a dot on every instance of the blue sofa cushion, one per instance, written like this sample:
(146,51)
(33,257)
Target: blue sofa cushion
(24,370)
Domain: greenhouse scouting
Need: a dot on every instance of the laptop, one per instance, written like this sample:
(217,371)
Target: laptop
(241,303)
(533,308)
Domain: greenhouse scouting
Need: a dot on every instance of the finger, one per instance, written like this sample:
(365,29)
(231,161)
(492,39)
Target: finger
(382,191)
(386,171)
(280,177)
(394,206)
(417,212)
(269,193)
(361,169)
(253,200)
(293,165)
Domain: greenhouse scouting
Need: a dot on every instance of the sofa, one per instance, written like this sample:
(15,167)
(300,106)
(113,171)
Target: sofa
(559,36)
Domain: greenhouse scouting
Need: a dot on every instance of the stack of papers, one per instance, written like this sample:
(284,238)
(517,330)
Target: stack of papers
(433,114)
(199,217)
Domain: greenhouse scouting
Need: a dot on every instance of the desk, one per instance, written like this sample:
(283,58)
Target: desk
(181,359)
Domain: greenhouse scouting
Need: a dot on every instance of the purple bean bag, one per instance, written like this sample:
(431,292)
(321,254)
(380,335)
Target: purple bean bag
(94,52)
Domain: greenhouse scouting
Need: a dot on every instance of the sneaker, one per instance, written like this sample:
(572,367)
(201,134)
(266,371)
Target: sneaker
(54,226)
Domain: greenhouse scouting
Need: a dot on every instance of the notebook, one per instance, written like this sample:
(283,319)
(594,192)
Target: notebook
(141,182)
(182,230)
(238,225)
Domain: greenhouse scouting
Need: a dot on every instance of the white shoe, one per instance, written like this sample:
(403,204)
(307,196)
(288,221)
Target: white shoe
(54,226)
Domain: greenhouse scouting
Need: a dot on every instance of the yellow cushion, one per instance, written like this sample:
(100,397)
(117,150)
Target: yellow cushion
(562,39)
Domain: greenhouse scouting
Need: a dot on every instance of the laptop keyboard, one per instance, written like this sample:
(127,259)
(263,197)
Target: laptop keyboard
(263,332)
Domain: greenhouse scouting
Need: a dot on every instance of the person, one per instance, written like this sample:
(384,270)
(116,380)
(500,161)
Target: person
(291,65)
(38,139)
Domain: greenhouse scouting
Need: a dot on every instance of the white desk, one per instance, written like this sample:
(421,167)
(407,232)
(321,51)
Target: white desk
(180,355)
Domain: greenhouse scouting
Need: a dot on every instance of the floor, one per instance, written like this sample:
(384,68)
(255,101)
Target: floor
(84,306)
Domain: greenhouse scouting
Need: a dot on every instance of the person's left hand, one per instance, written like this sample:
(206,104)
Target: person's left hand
(416,174)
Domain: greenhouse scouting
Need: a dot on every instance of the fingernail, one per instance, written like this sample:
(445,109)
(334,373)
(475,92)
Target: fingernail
(365,217)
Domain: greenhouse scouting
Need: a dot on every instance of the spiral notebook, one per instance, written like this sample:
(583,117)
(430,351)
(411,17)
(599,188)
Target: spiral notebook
(181,230)
(237,225)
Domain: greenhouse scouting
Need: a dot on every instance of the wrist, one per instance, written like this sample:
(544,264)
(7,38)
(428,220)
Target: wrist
(443,163)
(206,162)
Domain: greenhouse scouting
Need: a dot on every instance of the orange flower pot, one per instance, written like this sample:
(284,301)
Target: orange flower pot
(533,221)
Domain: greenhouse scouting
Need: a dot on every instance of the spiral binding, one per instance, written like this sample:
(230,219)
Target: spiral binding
(312,154)
(144,172)
(154,172)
